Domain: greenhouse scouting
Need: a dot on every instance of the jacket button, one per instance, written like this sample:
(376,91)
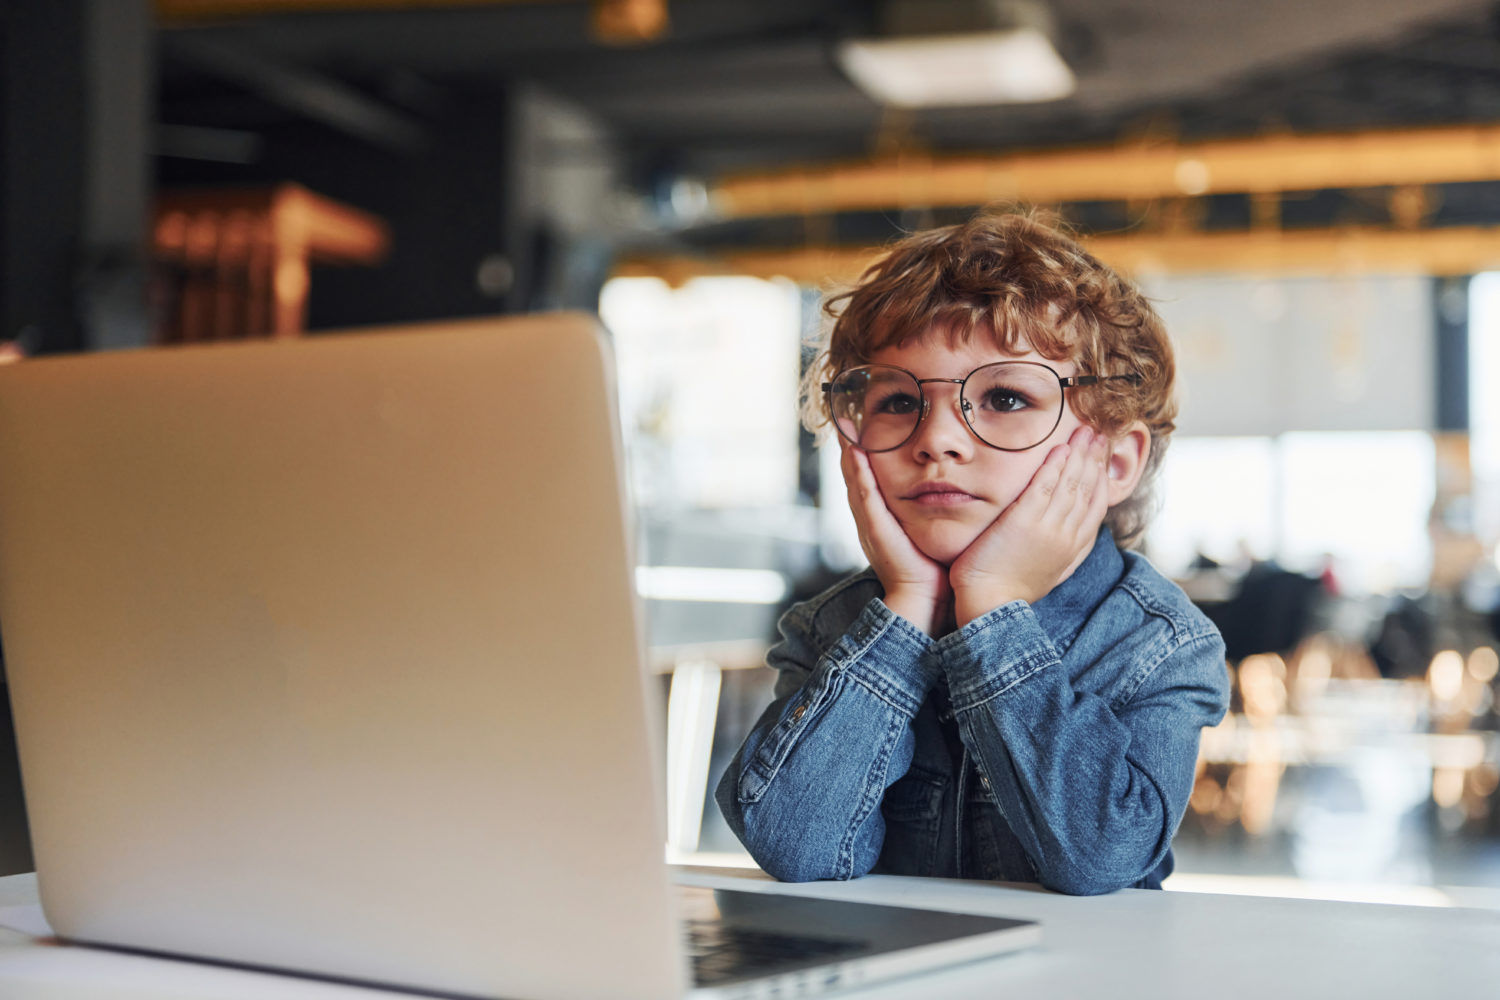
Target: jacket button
(798,713)
(984,782)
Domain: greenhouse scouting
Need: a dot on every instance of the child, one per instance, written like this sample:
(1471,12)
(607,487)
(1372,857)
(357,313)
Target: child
(1004,693)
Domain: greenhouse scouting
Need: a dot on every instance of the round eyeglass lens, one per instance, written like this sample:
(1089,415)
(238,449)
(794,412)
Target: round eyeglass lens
(1013,405)
(875,407)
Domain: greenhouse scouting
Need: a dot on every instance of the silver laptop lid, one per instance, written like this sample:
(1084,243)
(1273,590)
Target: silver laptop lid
(316,649)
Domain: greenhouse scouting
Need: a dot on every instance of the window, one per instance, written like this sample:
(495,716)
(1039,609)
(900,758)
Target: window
(1362,498)
(708,389)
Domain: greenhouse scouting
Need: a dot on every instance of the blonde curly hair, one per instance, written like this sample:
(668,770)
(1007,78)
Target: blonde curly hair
(1020,278)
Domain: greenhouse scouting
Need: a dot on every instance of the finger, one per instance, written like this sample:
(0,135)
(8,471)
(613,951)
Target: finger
(1072,486)
(1037,497)
(864,495)
(858,480)
(1092,480)
(871,499)
(854,492)
(879,516)
(1088,516)
(885,542)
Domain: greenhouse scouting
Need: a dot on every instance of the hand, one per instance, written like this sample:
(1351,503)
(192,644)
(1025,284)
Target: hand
(1040,539)
(916,587)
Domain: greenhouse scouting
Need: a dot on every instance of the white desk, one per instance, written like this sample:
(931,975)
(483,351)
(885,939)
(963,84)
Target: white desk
(1130,944)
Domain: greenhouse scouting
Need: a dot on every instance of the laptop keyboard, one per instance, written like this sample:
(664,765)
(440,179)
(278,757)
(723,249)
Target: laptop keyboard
(721,952)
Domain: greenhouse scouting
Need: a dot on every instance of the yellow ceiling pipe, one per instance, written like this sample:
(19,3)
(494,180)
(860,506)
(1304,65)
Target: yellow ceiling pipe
(1126,172)
(1456,250)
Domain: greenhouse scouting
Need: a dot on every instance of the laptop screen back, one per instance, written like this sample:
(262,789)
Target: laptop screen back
(324,657)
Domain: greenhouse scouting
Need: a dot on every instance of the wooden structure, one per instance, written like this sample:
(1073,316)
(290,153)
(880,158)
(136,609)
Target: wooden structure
(231,264)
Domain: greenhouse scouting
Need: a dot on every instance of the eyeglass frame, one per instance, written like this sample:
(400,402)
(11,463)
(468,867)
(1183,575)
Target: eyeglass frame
(1063,382)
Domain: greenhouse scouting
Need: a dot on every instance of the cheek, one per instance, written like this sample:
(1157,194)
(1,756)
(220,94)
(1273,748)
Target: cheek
(883,466)
(1010,473)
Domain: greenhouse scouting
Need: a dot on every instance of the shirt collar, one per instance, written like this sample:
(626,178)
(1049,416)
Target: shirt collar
(1067,606)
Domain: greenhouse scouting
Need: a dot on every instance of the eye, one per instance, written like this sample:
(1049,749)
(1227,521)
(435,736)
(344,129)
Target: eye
(896,404)
(1001,400)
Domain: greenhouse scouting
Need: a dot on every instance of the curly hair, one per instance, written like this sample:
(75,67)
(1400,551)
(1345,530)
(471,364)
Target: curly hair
(1022,280)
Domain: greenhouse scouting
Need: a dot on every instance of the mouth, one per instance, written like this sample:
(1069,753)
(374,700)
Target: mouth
(939,494)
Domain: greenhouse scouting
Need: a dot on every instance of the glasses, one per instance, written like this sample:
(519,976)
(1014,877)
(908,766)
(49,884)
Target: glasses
(1009,405)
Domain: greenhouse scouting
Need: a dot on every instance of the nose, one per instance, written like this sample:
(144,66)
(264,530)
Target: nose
(943,432)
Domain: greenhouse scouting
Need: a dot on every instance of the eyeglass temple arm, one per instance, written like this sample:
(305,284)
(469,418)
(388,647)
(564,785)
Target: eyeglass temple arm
(1134,378)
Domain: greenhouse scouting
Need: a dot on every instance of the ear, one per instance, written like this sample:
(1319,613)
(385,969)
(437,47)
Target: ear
(1127,461)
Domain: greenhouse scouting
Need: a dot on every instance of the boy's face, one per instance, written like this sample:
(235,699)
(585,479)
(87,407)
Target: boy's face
(976,482)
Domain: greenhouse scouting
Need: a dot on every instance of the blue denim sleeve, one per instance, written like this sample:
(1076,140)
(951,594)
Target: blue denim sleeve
(1093,788)
(803,793)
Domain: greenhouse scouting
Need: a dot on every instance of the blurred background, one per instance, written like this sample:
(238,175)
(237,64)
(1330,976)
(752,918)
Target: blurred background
(1309,190)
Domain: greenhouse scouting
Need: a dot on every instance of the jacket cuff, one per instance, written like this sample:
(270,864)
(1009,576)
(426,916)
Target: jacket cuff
(888,655)
(993,653)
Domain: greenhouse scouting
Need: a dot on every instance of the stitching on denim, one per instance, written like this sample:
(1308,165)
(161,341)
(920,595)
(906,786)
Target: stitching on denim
(875,681)
(1029,662)
(792,735)
(1183,630)
(901,629)
(1170,647)
(1183,626)
(904,706)
(920,642)
(994,617)
(1030,667)
(1146,667)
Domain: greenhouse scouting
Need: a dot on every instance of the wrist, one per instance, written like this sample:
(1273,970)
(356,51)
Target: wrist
(922,608)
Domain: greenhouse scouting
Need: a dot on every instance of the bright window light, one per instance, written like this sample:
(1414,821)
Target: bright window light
(708,389)
(697,583)
(1361,498)
(1365,499)
(1217,499)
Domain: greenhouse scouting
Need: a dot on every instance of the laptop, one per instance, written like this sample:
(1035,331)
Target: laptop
(325,658)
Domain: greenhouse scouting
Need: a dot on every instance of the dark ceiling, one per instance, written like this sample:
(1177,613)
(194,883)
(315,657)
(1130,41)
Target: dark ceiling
(745,84)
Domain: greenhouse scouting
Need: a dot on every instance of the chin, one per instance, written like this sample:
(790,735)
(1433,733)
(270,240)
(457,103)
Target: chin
(943,546)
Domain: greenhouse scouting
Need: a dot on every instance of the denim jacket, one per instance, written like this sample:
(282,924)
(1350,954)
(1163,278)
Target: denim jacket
(1054,742)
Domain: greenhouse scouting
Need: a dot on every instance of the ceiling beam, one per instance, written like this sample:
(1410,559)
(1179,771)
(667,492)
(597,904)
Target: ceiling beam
(1108,173)
(1457,250)
(303,92)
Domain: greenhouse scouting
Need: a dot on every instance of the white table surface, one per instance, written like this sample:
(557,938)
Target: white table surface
(1129,944)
